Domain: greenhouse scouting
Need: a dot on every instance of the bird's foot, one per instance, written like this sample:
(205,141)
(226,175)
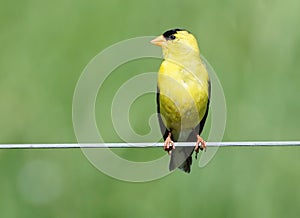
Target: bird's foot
(201,147)
(169,144)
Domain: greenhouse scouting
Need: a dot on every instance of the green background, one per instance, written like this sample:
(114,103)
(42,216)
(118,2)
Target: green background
(254,48)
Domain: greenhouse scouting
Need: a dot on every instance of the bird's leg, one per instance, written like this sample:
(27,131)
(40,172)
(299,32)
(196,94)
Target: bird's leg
(167,144)
(202,145)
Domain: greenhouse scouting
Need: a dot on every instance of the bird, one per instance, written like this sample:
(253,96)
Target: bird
(183,96)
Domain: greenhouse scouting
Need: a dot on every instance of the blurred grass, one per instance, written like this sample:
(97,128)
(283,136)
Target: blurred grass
(254,48)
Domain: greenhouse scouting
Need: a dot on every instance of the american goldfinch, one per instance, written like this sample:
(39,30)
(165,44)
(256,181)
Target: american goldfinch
(182,95)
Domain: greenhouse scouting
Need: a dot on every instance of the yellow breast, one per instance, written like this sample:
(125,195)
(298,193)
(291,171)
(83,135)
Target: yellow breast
(183,95)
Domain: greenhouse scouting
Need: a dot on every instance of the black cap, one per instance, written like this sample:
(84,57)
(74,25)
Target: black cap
(169,33)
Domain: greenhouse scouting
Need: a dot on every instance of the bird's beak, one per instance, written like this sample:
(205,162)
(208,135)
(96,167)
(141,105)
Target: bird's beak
(160,40)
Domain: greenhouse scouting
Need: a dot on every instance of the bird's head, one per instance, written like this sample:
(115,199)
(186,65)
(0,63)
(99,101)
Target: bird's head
(177,44)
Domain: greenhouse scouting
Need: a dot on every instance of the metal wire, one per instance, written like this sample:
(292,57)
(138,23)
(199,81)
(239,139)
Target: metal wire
(148,145)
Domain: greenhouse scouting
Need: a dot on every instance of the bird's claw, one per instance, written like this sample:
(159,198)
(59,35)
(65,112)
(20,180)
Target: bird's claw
(201,147)
(169,144)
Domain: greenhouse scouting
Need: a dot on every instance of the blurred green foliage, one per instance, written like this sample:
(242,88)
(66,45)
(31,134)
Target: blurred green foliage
(253,46)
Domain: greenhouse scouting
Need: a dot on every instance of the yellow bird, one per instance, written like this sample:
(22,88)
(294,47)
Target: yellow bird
(182,95)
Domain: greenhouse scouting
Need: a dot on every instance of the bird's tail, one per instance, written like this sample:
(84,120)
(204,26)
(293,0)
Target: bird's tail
(181,157)
(186,165)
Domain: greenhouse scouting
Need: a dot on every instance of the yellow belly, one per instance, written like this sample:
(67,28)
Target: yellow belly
(183,97)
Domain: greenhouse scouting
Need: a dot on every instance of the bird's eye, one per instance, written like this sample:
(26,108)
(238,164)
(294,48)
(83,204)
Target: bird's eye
(172,37)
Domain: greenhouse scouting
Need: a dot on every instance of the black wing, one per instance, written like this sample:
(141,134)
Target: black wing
(163,128)
(200,126)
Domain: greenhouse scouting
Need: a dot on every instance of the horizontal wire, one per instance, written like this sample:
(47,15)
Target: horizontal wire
(148,145)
